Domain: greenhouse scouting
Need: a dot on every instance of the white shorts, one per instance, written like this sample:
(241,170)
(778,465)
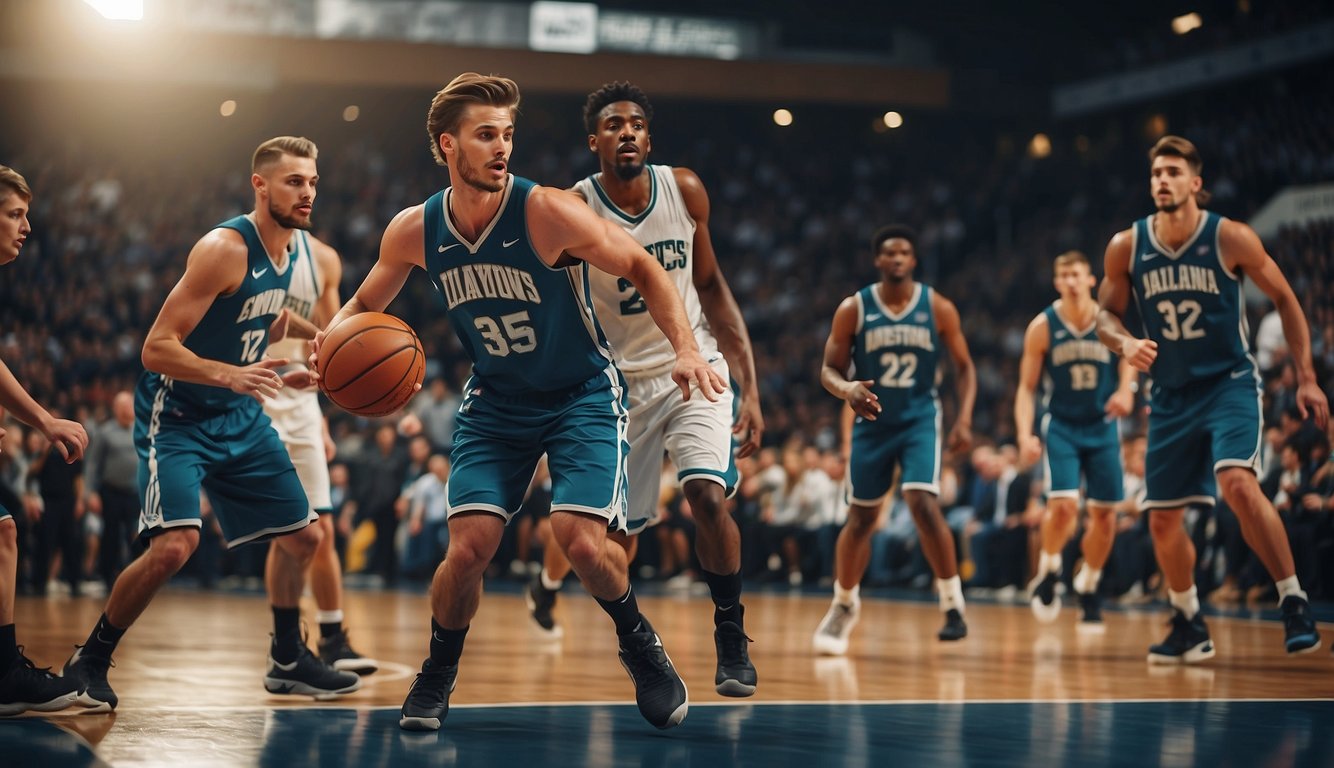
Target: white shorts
(299,421)
(695,433)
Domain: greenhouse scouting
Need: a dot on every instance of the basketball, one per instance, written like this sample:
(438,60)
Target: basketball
(371,363)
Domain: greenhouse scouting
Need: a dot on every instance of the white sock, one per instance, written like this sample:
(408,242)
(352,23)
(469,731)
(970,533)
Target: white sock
(1187,602)
(951,593)
(1049,563)
(1289,587)
(550,583)
(1086,580)
(850,596)
(329,617)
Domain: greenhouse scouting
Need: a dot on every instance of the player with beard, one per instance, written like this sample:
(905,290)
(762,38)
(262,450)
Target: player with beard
(199,423)
(666,210)
(1185,267)
(881,357)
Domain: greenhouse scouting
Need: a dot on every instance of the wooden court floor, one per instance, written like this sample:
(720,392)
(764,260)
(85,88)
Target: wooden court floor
(189,680)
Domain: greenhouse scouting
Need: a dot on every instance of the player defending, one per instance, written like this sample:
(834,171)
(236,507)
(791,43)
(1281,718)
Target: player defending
(666,210)
(1185,267)
(1087,390)
(199,422)
(23,686)
(313,296)
(889,335)
(511,260)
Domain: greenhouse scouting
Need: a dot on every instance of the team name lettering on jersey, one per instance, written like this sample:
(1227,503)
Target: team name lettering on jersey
(671,254)
(1083,349)
(899,336)
(487,281)
(1179,277)
(298,305)
(269,302)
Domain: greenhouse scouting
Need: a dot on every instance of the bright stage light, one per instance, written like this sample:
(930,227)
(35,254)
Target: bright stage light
(119,10)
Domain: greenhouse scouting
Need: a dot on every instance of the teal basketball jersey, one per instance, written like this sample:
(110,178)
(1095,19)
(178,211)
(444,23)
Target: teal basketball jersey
(1190,304)
(234,330)
(527,327)
(1081,372)
(900,352)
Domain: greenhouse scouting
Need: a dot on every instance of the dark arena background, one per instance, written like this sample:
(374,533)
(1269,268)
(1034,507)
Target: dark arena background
(1004,133)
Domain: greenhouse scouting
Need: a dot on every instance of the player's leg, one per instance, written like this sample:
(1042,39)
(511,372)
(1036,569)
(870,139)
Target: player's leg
(1060,455)
(540,596)
(23,686)
(1100,460)
(921,491)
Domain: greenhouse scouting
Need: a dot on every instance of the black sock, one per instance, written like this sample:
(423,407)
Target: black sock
(286,634)
(9,649)
(623,611)
(726,593)
(103,640)
(446,644)
(331,629)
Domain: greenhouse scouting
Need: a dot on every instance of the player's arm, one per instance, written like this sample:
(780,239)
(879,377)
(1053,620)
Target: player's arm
(1113,298)
(69,437)
(1122,401)
(560,223)
(1242,249)
(846,416)
(950,330)
(838,361)
(331,278)
(1036,340)
(720,307)
(216,266)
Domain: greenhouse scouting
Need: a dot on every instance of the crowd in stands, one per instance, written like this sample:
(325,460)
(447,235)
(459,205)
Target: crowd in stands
(792,213)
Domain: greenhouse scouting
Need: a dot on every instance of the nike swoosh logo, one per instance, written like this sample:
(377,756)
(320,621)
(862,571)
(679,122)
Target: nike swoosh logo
(873,316)
(1148,256)
(444,248)
(1239,374)
(256,273)
(509,243)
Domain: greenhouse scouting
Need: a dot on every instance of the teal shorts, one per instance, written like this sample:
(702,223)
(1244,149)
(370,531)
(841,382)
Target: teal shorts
(914,446)
(1093,450)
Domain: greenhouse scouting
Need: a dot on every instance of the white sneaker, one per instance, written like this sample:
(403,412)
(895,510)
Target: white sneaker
(831,637)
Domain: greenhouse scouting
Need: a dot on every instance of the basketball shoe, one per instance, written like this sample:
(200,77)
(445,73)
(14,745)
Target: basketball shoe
(1090,605)
(659,690)
(308,676)
(1187,643)
(428,699)
(1043,598)
(90,674)
(336,651)
(1300,635)
(540,602)
(955,628)
(831,637)
(24,688)
(735,675)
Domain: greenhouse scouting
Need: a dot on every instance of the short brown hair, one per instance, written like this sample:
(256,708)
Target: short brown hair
(469,88)
(13,181)
(1177,146)
(1070,258)
(272,150)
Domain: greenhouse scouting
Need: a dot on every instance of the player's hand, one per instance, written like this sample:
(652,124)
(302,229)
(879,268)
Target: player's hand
(258,380)
(864,402)
(299,378)
(278,330)
(313,362)
(1030,450)
(1140,353)
(749,426)
(68,437)
(960,438)
(1310,399)
(1120,404)
(691,370)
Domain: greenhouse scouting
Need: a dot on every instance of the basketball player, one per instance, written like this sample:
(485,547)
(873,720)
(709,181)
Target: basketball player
(888,335)
(198,421)
(23,686)
(1086,392)
(313,295)
(511,260)
(1185,267)
(666,210)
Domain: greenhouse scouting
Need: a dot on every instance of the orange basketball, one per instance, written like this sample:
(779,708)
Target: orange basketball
(371,363)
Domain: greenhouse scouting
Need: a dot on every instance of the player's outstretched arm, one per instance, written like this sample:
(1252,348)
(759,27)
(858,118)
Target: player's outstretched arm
(838,361)
(950,330)
(1036,340)
(1113,298)
(69,437)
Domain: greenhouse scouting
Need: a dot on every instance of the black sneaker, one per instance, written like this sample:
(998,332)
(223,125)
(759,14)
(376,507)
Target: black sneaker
(659,691)
(1300,635)
(24,688)
(90,674)
(540,602)
(308,676)
(1042,597)
(428,699)
(954,628)
(736,675)
(1187,643)
(1090,605)
(337,653)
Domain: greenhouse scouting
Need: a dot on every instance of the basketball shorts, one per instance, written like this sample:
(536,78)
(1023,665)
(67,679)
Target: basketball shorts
(297,417)
(4,513)
(1198,430)
(877,447)
(695,433)
(582,430)
(235,456)
(1093,449)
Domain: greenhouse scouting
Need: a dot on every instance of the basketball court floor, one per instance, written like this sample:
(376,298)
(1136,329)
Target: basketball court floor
(1013,693)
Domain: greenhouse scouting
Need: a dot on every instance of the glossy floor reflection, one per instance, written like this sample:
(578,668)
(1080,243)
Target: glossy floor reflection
(1138,734)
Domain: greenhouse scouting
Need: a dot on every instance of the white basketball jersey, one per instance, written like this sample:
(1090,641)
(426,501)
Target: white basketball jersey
(666,231)
(302,295)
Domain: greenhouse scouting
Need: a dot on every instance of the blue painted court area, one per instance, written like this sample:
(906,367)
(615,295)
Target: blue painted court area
(1139,734)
